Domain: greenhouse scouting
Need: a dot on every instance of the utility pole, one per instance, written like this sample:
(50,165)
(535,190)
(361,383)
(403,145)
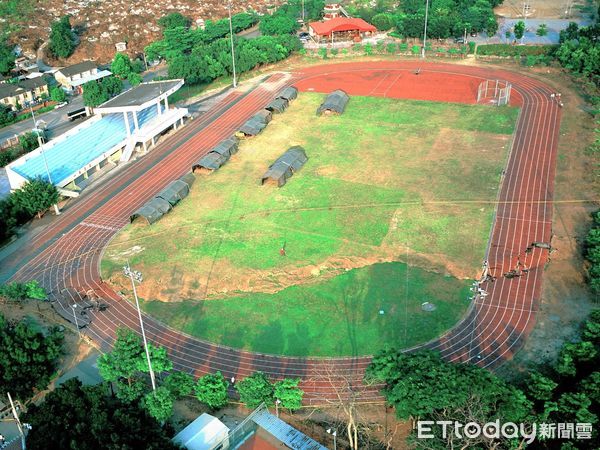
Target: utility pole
(303,19)
(425,29)
(134,275)
(232,49)
(74,307)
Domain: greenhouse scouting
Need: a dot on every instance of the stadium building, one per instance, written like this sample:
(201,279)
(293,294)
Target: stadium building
(131,119)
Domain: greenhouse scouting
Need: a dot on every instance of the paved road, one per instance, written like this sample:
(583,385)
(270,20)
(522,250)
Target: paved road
(56,121)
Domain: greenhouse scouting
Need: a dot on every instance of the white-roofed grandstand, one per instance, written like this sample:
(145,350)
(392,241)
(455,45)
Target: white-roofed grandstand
(136,116)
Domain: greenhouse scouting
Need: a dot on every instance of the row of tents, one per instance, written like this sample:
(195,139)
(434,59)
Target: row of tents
(261,119)
(165,200)
(278,173)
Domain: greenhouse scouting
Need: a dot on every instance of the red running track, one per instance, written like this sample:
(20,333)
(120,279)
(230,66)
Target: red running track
(68,253)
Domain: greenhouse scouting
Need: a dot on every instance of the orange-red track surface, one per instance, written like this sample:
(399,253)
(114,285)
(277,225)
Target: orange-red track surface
(67,253)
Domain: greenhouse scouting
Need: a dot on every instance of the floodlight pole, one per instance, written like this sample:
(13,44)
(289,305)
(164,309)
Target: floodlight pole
(425,28)
(73,307)
(334,434)
(41,146)
(16,416)
(232,49)
(134,275)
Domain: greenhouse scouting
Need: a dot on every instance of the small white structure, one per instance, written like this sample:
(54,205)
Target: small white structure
(204,433)
(121,46)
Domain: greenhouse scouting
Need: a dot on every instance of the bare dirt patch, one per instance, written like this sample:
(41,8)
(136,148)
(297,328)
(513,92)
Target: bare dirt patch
(547,9)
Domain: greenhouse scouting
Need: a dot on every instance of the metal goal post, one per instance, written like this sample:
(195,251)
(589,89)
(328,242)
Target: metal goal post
(495,92)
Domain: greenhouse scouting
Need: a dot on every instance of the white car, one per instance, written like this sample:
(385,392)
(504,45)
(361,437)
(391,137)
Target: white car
(60,105)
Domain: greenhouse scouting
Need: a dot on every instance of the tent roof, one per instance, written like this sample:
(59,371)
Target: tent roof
(288,163)
(152,210)
(175,191)
(264,115)
(202,434)
(289,93)
(211,161)
(252,127)
(278,105)
(336,101)
(188,179)
(339,24)
(227,147)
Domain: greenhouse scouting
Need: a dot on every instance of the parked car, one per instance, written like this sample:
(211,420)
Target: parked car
(459,40)
(60,105)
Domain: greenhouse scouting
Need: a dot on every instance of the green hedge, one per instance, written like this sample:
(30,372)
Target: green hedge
(515,50)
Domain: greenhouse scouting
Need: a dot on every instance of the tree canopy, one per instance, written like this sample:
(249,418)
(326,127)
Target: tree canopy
(57,94)
(174,20)
(97,92)
(255,389)
(211,390)
(28,358)
(7,58)
(86,417)
(121,66)
(288,393)
(62,40)
(35,196)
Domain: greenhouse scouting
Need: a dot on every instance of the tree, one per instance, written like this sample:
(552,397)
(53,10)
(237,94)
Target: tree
(28,358)
(29,141)
(128,358)
(288,393)
(383,22)
(159,404)
(57,95)
(211,390)
(507,34)
(541,387)
(7,59)
(174,20)
(422,385)
(88,418)
(62,41)
(542,30)
(134,79)
(573,353)
(519,29)
(94,94)
(35,196)
(179,384)
(112,86)
(121,66)
(21,291)
(6,115)
(255,389)
(277,24)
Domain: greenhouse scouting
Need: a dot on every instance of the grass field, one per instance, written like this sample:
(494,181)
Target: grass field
(388,181)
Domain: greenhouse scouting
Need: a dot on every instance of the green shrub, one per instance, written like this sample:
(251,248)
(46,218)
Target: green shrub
(415,49)
(403,47)
(390,48)
(323,52)
(334,51)
(472,46)
(514,50)
(368,49)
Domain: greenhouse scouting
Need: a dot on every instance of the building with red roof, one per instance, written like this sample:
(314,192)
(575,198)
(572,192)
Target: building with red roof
(341,28)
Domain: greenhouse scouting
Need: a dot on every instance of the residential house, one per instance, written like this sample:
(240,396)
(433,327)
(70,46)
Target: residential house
(71,78)
(23,93)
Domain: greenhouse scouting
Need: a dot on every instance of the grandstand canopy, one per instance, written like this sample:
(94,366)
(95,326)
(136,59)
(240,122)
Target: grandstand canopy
(140,97)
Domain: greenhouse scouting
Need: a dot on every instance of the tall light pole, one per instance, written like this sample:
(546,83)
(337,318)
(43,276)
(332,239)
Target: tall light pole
(232,49)
(134,275)
(17,420)
(73,307)
(41,145)
(425,28)
(303,19)
(334,434)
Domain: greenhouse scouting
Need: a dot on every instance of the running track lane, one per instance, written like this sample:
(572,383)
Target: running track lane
(494,327)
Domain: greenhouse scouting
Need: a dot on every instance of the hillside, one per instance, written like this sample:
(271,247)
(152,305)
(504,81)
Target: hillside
(103,23)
